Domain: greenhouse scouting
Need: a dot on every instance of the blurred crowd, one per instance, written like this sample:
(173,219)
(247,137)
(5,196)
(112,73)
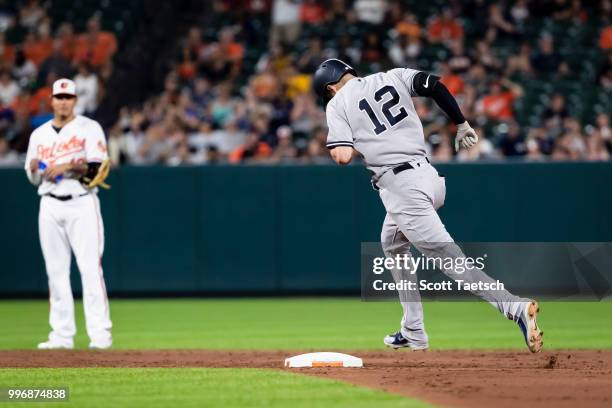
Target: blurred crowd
(239,88)
(34,52)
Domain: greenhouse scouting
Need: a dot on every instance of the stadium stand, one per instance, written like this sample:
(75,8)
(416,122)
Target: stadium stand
(229,81)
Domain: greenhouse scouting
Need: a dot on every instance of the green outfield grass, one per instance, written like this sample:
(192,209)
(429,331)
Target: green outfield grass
(317,324)
(198,387)
(324,323)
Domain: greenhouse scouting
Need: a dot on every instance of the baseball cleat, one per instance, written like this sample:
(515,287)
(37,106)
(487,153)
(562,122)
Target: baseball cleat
(397,341)
(528,325)
(53,345)
(100,345)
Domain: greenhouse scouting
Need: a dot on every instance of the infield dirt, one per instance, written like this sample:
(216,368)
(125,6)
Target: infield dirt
(560,378)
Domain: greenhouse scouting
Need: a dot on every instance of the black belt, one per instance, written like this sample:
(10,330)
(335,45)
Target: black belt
(407,166)
(397,170)
(64,197)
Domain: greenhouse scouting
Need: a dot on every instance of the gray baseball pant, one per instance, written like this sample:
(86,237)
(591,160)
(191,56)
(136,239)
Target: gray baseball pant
(411,199)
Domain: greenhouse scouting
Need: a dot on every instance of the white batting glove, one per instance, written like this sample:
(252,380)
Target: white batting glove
(466,136)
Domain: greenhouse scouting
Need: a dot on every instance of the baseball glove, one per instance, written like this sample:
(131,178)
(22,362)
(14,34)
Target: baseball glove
(97,180)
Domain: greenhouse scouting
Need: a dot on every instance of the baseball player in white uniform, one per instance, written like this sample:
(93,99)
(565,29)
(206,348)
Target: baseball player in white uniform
(61,154)
(375,116)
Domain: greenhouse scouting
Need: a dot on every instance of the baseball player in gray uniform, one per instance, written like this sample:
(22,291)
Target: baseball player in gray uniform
(375,116)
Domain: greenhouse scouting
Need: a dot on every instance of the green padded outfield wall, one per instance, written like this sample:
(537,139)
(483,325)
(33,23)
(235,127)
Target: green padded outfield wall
(257,229)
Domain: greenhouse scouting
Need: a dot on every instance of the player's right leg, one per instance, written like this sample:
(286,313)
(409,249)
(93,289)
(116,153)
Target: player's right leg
(56,252)
(411,198)
(412,328)
(86,233)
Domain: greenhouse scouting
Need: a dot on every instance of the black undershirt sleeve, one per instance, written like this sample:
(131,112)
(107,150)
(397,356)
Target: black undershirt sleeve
(430,86)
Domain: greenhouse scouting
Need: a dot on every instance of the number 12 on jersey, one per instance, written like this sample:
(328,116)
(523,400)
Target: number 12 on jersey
(393,120)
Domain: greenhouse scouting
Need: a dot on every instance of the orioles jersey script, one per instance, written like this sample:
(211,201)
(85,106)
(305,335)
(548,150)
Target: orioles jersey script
(376,116)
(80,141)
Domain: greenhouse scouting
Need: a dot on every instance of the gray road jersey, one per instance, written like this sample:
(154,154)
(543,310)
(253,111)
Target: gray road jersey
(376,116)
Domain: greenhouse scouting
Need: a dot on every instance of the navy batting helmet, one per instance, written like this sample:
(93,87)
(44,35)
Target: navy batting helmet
(328,73)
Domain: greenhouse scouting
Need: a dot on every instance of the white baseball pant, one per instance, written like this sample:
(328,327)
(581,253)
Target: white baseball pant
(74,224)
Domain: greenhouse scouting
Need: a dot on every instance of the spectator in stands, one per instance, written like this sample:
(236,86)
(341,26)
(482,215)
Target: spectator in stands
(95,47)
(9,90)
(135,137)
(37,48)
(499,26)
(373,51)
(201,93)
(312,12)
(485,56)
(205,115)
(193,42)
(459,61)
(285,151)
(286,23)
(316,151)
(546,60)
(340,14)
(56,62)
(605,39)
(229,138)
(201,140)
(347,51)
(24,70)
(187,69)
(281,106)
(65,35)
(86,82)
(312,57)
(222,109)
(520,63)
(230,48)
(602,124)
(441,150)
(8,158)
(556,112)
(263,86)
(497,105)
(534,145)
(604,77)
(453,82)
(520,11)
(179,149)
(570,145)
(408,26)
(215,66)
(596,147)
(405,51)
(42,97)
(512,142)
(31,14)
(7,51)
(15,32)
(561,9)
(370,11)
(305,115)
(252,150)
(445,28)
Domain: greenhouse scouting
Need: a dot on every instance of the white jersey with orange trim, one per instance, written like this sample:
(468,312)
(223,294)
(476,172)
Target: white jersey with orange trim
(80,141)
(70,220)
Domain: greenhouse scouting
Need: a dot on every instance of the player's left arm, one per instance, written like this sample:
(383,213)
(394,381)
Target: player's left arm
(429,85)
(97,165)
